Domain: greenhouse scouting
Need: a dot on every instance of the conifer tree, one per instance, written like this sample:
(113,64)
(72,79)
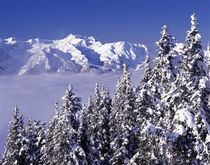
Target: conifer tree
(30,143)
(94,118)
(40,130)
(84,135)
(66,136)
(71,108)
(152,110)
(193,98)
(103,124)
(183,99)
(149,150)
(92,126)
(14,141)
(48,144)
(61,141)
(147,70)
(169,74)
(145,101)
(123,121)
(162,75)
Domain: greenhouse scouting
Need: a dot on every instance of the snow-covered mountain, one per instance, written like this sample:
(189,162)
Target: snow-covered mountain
(73,53)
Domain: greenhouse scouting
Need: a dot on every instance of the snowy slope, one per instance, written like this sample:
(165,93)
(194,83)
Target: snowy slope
(73,53)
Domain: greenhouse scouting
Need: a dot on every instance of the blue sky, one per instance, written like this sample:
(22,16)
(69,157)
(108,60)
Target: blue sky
(106,20)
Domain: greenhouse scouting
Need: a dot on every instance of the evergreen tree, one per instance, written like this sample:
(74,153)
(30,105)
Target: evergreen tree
(66,131)
(40,130)
(147,70)
(71,108)
(193,96)
(84,136)
(48,144)
(169,74)
(92,125)
(149,150)
(30,143)
(103,124)
(14,141)
(187,99)
(152,106)
(123,121)
(61,141)
(94,118)
(145,101)
(162,76)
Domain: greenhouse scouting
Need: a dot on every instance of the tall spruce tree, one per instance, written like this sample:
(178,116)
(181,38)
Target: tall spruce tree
(14,141)
(103,124)
(193,99)
(92,126)
(145,101)
(162,75)
(40,130)
(30,143)
(61,141)
(123,121)
(184,97)
(84,135)
(147,70)
(48,144)
(68,126)
(152,111)
(94,118)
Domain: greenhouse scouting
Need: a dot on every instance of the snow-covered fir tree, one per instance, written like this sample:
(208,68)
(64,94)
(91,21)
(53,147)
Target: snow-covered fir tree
(32,142)
(193,114)
(162,75)
(123,121)
(94,117)
(68,125)
(92,126)
(147,70)
(105,106)
(84,137)
(61,142)
(71,108)
(14,141)
(152,113)
(40,130)
(48,144)
(145,102)
(169,73)
(149,148)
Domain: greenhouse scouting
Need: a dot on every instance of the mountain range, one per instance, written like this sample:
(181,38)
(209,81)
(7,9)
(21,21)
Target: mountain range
(74,53)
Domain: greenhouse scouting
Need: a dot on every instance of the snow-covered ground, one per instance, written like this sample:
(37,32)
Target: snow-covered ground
(35,95)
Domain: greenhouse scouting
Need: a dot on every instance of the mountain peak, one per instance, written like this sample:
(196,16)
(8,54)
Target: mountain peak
(10,40)
(74,53)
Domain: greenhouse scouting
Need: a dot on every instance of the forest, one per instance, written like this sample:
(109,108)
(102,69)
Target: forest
(163,121)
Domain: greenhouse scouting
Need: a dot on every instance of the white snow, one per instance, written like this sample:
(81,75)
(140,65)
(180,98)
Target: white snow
(185,116)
